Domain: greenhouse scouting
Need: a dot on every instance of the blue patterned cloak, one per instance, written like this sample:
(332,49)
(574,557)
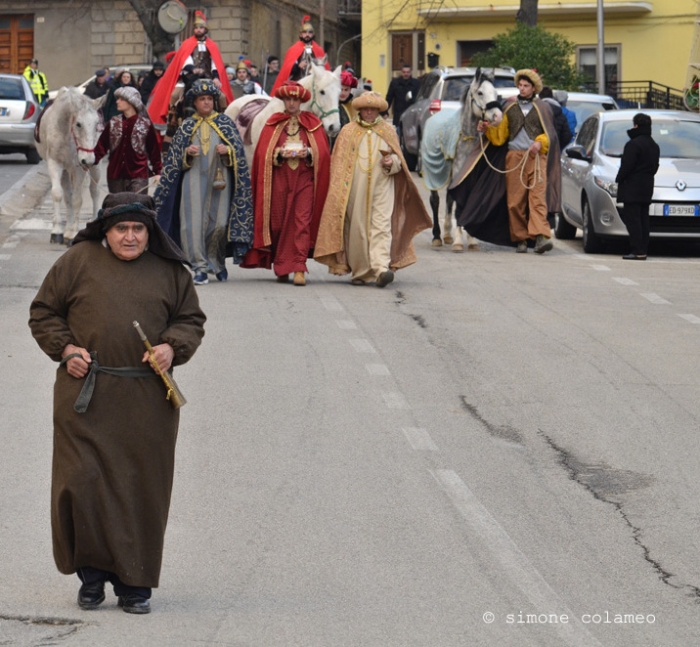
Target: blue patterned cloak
(167,196)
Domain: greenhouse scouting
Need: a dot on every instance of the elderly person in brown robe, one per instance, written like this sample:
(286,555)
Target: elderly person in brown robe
(114,429)
(374,210)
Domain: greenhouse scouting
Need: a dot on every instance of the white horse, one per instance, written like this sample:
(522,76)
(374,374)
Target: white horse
(447,135)
(325,94)
(68,132)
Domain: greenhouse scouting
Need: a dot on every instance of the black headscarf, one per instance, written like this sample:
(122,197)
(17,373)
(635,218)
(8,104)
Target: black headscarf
(132,207)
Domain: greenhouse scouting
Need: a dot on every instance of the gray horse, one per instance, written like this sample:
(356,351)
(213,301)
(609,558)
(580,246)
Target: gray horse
(68,130)
(448,136)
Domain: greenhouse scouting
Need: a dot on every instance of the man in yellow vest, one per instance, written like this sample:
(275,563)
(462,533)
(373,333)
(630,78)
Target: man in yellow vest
(37,81)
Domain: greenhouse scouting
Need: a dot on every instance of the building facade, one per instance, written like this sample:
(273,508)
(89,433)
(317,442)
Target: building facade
(643,40)
(72,38)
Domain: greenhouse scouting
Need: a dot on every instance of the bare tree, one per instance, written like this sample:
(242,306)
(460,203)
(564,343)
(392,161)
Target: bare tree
(162,41)
(527,14)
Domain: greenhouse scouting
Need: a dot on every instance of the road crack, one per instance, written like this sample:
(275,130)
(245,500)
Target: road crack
(609,485)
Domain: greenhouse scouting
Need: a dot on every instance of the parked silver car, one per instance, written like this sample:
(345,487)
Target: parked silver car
(589,167)
(18,114)
(442,88)
(584,104)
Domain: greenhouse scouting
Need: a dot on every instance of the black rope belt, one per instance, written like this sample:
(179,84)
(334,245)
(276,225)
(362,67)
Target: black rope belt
(81,404)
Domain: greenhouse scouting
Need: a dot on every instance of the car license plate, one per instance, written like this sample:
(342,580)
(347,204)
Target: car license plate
(681,210)
(3,112)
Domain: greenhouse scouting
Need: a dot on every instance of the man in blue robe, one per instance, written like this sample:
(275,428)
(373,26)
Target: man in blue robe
(204,200)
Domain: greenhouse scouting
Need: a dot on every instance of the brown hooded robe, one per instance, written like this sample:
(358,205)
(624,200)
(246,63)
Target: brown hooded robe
(113,465)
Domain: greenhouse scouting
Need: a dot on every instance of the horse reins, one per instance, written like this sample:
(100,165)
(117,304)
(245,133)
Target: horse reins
(323,114)
(521,164)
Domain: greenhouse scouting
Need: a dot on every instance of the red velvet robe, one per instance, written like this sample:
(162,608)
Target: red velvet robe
(275,240)
(160,97)
(291,57)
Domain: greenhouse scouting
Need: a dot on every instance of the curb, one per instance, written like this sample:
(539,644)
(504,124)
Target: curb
(23,197)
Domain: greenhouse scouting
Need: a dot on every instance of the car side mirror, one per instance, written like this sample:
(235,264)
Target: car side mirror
(578,152)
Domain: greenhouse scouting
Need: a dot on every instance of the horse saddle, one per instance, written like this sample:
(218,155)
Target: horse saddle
(245,117)
(37,138)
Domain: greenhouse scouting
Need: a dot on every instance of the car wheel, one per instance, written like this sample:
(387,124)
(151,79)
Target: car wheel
(33,156)
(411,160)
(592,244)
(563,229)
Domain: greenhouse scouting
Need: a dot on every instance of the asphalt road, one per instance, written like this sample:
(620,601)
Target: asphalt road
(498,449)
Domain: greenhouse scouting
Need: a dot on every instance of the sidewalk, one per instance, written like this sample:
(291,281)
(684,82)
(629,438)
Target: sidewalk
(28,205)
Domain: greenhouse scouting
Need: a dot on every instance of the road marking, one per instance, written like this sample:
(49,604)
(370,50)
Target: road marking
(332,305)
(377,369)
(655,298)
(31,224)
(624,281)
(395,400)
(11,242)
(362,346)
(514,562)
(5,257)
(600,268)
(345,324)
(419,439)
(691,318)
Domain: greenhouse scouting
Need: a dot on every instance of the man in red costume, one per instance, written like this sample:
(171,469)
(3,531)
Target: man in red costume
(290,182)
(299,56)
(202,53)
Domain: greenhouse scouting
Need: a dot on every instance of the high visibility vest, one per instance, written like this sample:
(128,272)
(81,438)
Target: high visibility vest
(37,82)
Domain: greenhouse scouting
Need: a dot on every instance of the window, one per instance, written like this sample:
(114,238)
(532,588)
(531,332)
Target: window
(587,61)
(586,136)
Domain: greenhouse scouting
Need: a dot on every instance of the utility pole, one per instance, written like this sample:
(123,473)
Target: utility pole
(600,52)
(322,23)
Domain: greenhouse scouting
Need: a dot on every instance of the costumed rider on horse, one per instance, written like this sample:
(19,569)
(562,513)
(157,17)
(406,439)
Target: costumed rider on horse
(202,53)
(298,59)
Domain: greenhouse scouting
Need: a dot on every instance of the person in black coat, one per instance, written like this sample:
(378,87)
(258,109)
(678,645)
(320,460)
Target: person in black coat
(150,81)
(561,123)
(402,93)
(635,184)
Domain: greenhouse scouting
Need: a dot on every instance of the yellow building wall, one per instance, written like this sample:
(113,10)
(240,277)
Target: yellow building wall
(655,45)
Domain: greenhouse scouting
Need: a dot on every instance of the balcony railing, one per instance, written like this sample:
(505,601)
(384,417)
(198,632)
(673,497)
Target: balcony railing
(643,94)
(350,7)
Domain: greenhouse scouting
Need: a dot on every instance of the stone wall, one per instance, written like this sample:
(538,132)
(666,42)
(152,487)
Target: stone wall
(72,38)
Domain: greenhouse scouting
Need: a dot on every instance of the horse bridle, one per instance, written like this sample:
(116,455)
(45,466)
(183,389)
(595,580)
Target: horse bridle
(323,114)
(489,106)
(75,140)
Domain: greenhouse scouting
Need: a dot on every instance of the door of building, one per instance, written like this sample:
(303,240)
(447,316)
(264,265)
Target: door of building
(16,42)
(408,48)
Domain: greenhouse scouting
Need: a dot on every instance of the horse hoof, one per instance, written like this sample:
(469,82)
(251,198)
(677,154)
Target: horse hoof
(448,240)
(473,247)
(56,239)
(458,248)
(437,242)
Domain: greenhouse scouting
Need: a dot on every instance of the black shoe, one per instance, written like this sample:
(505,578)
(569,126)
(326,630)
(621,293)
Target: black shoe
(385,278)
(91,596)
(132,603)
(633,257)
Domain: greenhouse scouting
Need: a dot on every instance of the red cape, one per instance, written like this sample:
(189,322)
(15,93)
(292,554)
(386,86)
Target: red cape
(293,53)
(160,101)
(260,254)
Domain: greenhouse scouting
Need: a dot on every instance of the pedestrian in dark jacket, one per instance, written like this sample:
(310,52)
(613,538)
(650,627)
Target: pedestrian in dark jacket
(635,184)
(561,124)
(150,81)
(99,86)
(402,93)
